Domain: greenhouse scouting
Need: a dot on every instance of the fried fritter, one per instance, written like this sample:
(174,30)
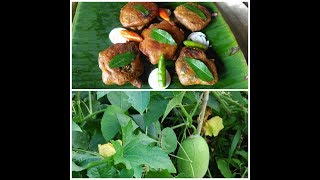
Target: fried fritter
(186,74)
(153,49)
(134,19)
(190,19)
(120,76)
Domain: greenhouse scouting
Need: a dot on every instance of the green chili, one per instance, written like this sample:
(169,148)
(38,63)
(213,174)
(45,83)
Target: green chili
(162,71)
(189,43)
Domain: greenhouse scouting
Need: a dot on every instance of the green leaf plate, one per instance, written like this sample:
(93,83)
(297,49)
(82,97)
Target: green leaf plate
(90,34)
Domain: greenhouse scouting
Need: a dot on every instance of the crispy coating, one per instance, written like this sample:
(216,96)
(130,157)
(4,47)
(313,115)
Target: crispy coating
(186,74)
(134,19)
(153,49)
(120,76)
(190,19)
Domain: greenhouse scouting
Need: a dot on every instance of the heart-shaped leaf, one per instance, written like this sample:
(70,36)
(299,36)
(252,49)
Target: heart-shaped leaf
(200,69)
(168,140)
(195,10)
(162,36)
(122,60)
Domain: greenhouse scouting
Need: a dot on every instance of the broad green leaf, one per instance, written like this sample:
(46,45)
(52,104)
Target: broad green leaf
(223,166)
(144,139)
(139,99)
(151,130)
(157,126)
(80,161)
(213,103)
(119,98)
(243,153)
(126,173)
(126,129)
(176,100)
(109,123)
(75,127)
(122,60)
(195,10)
(100,94)
(234,143)
(213,126)
(105,170)
(134,153)
(156,109)
(124,120)
(163,94)
(235,162)
(96,139)
(190,95)
(168,140)
(118,157)
(162,36)
(236,95)
(80,139)
(141,8)
(200,69)
(76,174)
(158,174)
(77,168)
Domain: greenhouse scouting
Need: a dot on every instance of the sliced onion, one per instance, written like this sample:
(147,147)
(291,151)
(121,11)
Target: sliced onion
(153,79)
(116,37)
(199,37)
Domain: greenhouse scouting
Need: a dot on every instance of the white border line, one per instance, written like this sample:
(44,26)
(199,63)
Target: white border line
(248,90)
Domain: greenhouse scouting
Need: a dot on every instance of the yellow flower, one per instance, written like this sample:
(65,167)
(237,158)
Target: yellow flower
(213,126)
(107,149)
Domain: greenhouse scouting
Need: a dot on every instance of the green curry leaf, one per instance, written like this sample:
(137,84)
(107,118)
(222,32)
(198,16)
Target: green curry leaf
(195,10)
(141,9)
(122,60)
(162,36)
(200,69)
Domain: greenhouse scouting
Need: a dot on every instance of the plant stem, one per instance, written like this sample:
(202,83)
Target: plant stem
(85,106)
(209,173)
(196,107)
(179,125)
(223,104)
(194,129)
(179,157)
(244,174)
(89,152)
(93,114)
(79,106)
(90,102)
(203,111)
(189,118)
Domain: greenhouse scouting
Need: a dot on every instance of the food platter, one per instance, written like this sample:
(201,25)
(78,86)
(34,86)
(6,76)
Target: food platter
(91,26)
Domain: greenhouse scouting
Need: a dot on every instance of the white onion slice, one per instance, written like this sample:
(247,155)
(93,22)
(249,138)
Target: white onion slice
(115,36)
(153,79)
(199,37)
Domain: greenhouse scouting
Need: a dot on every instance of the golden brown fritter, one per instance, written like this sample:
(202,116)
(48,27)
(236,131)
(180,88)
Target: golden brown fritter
(191,20)
(121,75)
(186,74)
(153,49)
(134,19)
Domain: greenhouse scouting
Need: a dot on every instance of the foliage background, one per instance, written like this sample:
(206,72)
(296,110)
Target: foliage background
(153,114)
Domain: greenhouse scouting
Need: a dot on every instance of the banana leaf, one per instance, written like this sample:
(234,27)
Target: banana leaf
(90,34)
